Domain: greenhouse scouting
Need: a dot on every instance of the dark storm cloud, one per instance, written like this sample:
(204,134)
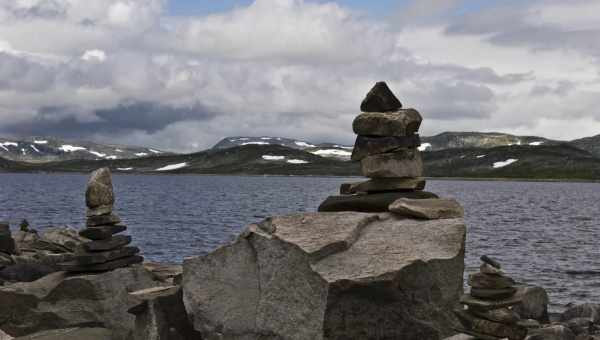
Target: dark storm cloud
(127,117)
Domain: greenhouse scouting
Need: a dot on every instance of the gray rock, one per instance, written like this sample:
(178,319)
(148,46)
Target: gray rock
(4,336)
(530,323)
(99,211)
(481,304)
(99,190)
(7,243)
(480,280)
(168,273)
(59,301)
(65,237)
(369,203)
(383,185)
(104,232)
(388,124)
(75,266)
(25,272)
(586,310)
(365,146)
(105,256)
(5,260)
(556,332)
(380,99)
(490,270)
(104,245)
(534,303)
(491,261)
(580,326)
(70,334)
(161,315)
(25,240)
(402,163)
(487,327)
(429,209)
(502,315)
(330,276)
(94,221)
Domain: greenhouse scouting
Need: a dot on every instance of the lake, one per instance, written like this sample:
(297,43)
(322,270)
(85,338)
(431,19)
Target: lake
(544,233)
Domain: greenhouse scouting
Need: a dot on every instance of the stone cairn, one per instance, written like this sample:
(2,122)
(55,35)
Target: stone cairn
(387,148)
(106,251)
(488,314)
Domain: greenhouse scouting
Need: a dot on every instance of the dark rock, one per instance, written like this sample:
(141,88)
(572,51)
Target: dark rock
(108,244)
(580,326)
(556,332)
(534,303)
(490,270)
(98,211)
(481,304)
(94,221)
(497,329)
(586,310)
(64,237)
(429,209)
(7,244)
(470,334)
(402,163)
(168,273)
(161,315)
(102,232)
(388,124)
(502,315)
(25,272)
(70,334)
(105,256)
(369,203)
(529,323)
(380,99)
(383,185)
(99,189)
(487,281)
(365,146)
(492,294)
(491,261)
(75,266)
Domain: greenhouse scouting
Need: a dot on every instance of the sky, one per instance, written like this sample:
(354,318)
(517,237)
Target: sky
(182,74)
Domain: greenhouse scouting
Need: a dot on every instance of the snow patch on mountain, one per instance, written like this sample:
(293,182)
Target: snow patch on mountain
(297,161)
(172,167)
(273,158)
(504,163)
(71,148)
(424,146)
(332,152)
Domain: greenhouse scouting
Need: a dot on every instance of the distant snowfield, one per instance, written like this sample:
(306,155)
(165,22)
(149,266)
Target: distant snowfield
(154,151)
(504,163)
(71,148)
(273,158)
(424,146)
(481,156)
(40,142)
(536,143)
(172,167)
(332,152)
(124,169)
(297,161)
(34,148)
(99,154)
(256,143)
(304,144)
(141,154)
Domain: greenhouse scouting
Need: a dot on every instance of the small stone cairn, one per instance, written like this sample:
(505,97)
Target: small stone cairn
(387,148)
(488,314)
(106,251)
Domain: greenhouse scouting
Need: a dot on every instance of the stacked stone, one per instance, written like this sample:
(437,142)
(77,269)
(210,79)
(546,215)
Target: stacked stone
(7,246)
(106,251)
(488,314)
(387,148)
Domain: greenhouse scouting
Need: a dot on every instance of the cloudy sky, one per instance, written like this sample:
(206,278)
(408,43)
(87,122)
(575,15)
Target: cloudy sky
(181,74)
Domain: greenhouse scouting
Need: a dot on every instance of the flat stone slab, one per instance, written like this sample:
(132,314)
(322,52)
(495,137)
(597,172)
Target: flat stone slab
(429,209)
(404,122)
(105,256)
(480,280)
(400,163)
(502,315)
(365,145)
(370,203)
(102,232)
(119,263)
(486,327)
(470,301)
(383,185)
(380,99)
(93,221)
(108,244)
(493,294)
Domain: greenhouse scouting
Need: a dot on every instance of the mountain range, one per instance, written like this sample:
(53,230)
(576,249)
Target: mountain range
(449,154)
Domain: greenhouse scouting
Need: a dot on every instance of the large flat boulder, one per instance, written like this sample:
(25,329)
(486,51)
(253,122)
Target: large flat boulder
(330,276)
(59,301)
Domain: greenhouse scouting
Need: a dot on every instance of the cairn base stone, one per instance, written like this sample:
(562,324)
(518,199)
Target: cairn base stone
(330,276)
(370,203)
(496,329)
(383,185)
(105,256)
(104,232)
(401,163)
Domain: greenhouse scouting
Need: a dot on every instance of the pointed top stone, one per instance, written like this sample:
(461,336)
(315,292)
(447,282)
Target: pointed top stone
(380,99)
(99,191)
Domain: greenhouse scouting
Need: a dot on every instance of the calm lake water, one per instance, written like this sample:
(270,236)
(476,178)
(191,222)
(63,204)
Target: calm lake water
(544,233)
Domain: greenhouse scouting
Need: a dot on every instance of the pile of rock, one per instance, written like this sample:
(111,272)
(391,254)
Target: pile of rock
(105,251)
(7,245)
(488,314)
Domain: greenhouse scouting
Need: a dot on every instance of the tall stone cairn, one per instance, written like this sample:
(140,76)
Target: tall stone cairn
(106,251)
(488,313)
(387,148)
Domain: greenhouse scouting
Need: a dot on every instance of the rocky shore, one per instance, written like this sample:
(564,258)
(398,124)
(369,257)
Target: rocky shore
(382,260)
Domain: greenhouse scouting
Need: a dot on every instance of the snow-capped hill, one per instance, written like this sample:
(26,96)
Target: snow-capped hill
(459,140)
(327,150)
(39,150)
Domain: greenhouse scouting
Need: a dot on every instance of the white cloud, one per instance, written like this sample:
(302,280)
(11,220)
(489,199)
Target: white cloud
(94,55)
